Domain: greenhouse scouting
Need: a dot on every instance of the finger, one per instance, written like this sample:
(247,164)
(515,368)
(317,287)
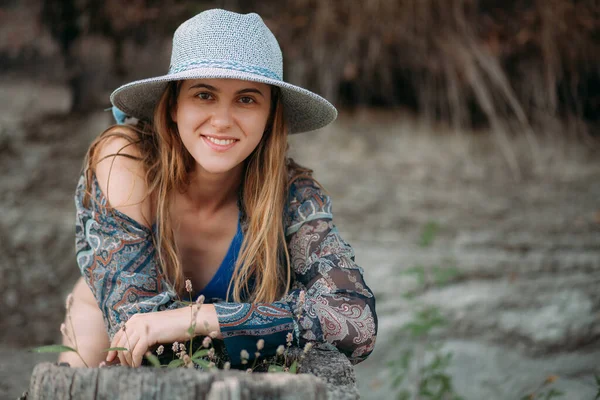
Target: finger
(130,344)
(112,354)
(121,353)
(138,353)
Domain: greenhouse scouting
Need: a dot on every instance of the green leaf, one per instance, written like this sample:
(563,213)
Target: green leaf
(54,348)
(200,353)
(442,276)
(175,363)
(553,393)
(404,395)
(153,360)
(275,368)
(405,358)
(409,295)
(428,234)
(191,330)
(418,271)
(116,349)
(201,362)
(294,367)
(397,381)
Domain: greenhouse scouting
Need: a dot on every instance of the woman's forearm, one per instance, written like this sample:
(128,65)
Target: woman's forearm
(85,328)
(172,325)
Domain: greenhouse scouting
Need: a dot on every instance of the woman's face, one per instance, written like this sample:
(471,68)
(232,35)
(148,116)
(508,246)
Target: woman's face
(221,121)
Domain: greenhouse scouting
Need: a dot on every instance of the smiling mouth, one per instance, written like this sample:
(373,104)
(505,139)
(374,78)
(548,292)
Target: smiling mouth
(221,142)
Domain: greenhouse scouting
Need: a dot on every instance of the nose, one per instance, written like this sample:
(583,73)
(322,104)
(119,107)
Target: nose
(221,118)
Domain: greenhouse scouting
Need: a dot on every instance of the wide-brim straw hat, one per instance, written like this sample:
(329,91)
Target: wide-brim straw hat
(223,44)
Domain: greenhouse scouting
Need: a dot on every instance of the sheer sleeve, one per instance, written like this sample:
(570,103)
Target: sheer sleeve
(116,257)
(329,304)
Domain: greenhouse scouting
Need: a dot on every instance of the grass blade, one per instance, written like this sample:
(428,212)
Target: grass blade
(54,348)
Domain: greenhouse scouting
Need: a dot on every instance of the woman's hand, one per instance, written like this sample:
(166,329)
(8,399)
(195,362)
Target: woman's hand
(135,336)
(161,327)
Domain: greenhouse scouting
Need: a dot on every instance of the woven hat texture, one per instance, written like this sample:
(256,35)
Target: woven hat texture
(223,44)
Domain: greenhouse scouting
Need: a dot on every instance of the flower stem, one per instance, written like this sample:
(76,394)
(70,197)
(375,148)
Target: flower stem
(129,347)
(191,324)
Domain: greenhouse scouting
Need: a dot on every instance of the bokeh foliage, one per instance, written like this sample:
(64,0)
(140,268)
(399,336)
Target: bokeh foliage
(468,62)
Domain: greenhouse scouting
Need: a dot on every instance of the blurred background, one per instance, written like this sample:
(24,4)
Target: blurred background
(463,169)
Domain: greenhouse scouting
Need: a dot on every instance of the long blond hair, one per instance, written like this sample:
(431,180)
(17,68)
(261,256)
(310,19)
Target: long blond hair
(263,257)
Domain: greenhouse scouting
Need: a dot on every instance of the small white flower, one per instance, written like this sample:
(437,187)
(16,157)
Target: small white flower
(200,300)
(244,355)
(227,366)
(188,285)
(307,347)
(160,349)
(280,350)
(249,370)
(175,346)
(260,344)
(206,342)
(195,313)
(213,334)
(181,346)
(181,354)
(211,353)
(187,361)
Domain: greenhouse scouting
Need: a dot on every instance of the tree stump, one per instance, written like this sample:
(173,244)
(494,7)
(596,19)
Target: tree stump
(323,375)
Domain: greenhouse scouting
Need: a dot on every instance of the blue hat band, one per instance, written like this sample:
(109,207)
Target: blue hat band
(224,64)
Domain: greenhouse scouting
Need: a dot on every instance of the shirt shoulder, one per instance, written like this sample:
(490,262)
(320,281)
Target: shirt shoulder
(307,201)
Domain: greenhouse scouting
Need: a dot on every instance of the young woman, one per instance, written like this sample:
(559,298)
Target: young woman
(201,190)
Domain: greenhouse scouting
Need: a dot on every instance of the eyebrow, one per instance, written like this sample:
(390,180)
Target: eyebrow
(214,89)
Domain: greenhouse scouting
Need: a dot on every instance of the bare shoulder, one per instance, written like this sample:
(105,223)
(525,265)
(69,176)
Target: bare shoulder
(121,176)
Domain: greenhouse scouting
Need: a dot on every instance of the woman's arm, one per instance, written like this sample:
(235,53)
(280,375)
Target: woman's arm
(89,329)
(330,303)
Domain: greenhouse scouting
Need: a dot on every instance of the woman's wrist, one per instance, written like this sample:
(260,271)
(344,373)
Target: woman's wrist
(207,322)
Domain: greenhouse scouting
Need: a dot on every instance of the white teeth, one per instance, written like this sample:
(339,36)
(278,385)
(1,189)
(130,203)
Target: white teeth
(219,141)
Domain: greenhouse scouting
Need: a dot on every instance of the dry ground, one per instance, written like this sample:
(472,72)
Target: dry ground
(525,304)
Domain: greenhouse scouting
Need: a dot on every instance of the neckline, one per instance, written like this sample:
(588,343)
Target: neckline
(228,256)
(153,230)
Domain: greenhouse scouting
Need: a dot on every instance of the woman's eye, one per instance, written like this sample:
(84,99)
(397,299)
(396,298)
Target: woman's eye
(204,96)
(246,100)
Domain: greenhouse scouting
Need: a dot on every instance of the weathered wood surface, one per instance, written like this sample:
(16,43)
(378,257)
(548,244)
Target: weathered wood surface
(324,375)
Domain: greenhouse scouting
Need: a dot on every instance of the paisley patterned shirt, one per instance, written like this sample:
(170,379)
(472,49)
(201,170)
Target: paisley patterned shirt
(329,303)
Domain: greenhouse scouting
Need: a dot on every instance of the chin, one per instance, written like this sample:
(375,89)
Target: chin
(217,167)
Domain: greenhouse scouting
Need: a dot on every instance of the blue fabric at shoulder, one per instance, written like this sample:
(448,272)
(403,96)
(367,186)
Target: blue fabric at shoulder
(119,115)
